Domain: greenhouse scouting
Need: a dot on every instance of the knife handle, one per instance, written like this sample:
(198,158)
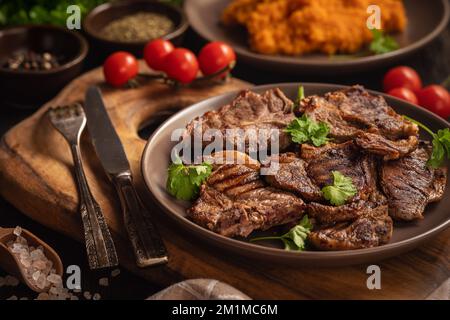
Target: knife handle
(147,244)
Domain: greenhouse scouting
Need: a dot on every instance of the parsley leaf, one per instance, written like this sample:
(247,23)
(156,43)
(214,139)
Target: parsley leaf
(303,130)
(300,96)
(340,191)
(295,238)
(441,144)
(382,43)
(183,182)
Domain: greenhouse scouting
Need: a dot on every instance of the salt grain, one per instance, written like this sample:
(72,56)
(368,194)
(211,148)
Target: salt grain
(54,278)
(104,282)
(43,296)
(17,231)
(37,268)
(96,296)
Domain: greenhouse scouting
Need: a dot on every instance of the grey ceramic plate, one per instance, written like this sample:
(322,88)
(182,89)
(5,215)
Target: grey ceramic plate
(156,158)
(427,19)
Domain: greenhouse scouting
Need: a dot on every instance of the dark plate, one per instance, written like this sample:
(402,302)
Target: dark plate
(427,19)
(156,158)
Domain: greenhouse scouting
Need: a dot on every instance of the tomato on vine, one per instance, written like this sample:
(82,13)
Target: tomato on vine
(156,51)
(216,56)
(119,68)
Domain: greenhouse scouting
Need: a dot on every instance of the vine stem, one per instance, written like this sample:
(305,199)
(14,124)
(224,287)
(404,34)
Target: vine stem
(161,76)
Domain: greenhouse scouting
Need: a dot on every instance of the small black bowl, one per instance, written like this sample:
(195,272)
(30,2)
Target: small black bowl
(24,88)
(102,15)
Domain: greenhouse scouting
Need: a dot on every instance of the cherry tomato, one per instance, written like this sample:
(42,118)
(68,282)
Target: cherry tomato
(181,65)
(436,99)
(155,51)
(119,68)
(215,56)
(402,77)
(404,94)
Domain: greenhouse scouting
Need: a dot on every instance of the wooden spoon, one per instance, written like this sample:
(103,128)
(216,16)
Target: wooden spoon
(9,262)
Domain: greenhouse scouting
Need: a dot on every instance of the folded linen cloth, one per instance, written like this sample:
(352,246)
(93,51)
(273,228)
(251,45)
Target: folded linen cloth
(200,289)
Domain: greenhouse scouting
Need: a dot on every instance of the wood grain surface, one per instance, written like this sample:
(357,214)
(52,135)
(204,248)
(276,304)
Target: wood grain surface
(36,176)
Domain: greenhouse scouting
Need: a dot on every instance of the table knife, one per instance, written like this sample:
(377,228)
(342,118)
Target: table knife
(145,240)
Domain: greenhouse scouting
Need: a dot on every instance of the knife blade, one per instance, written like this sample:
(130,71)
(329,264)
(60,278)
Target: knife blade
(147,244)
(104,137)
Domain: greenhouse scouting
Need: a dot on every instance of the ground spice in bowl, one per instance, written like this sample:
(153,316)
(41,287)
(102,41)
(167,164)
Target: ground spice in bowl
(138,27)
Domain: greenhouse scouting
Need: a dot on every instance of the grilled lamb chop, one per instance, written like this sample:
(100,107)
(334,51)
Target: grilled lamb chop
(306,176)
(327,215)
(292,176)
(250,111)
(410,184)
(234,201)
(346,158)
(371,229)
(355,114)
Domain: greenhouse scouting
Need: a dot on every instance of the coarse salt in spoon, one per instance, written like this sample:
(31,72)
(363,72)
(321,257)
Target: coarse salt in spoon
(30,259)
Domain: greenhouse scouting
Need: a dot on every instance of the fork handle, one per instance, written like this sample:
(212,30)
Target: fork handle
(145,239)
(99,244)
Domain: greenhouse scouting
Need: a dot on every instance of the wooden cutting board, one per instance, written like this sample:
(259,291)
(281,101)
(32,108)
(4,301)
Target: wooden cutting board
(36,176)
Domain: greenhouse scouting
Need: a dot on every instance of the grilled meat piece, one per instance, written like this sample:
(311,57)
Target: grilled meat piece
(410,184)
(327,215)
(320,109)
(356,114)
(359,106)
(249,111)
(388,149)
(306,176)
(346,158)
(372,229)
(292,176)
(234,201)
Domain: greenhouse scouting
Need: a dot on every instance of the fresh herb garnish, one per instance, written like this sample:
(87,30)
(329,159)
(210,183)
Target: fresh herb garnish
(183,182)
(293,240)
(300,96)
(340,191)
(382,43)
(304,129)
(441,144)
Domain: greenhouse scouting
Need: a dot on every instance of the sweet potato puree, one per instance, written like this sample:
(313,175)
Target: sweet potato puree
(295,27)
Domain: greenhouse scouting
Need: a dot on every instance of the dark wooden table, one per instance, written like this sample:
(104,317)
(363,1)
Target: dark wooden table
(432,63)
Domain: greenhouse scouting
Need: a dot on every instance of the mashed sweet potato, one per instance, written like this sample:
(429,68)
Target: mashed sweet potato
(295,27)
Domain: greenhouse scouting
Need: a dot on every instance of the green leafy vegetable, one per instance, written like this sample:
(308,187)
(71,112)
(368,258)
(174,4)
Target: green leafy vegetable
(304,129)
(441,144)
(293,240)
(183,182)
(382,43)
(340,191)
(13,12)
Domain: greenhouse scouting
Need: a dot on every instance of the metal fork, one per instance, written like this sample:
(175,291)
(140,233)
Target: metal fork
(70,122)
